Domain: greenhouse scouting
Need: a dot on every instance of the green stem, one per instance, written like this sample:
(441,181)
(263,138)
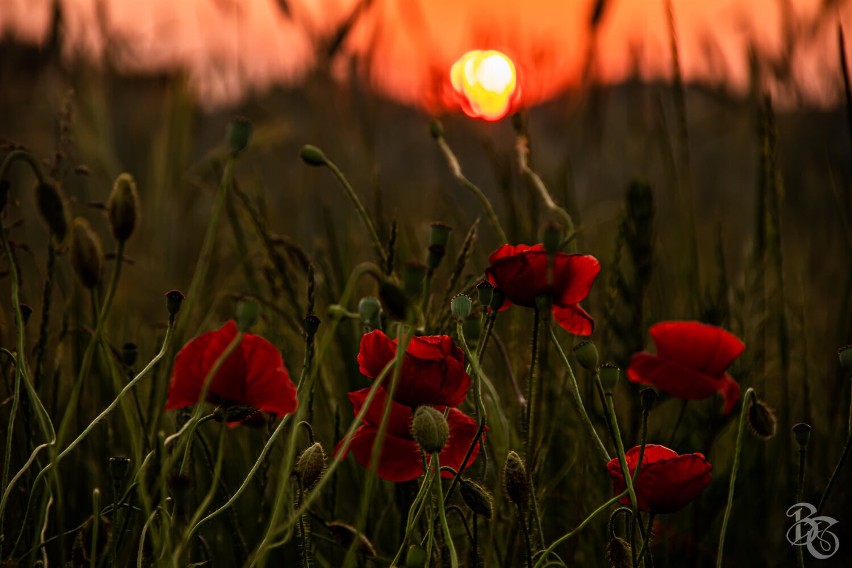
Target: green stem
(448,537)
(731,484)
(415,511)
(625,471)
(578,401)
(96,517)
(644,550)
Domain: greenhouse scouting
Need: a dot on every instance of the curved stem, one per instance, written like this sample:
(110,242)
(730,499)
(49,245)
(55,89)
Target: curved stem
(415,511)
(625,471)
(448,537)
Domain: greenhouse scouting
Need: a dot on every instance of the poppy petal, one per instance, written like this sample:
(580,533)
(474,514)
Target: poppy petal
(399,421)
(573,277)
(574,319)
(706,348)
(672,378)
(268,385)
(375,352)
(399,459)
(730,390)
(462,432)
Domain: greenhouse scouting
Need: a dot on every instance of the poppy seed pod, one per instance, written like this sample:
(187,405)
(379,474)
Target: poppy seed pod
(118,468)
(123,207)
(439,234)
(174,299)
(515,479)
(54,211)
(476,498)
(609,376)
(313,156)
(87,254)
(238,134)
(761,419)
(648,398)
(311,465)
(460,306)
(485,291)
(845,356)
(802,432)
(370,310)
(587,355)
(246,314)
(430,429)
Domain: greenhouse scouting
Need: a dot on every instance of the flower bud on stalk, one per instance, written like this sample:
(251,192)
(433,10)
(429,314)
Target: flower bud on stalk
(648,398)
(460,307)
(618,553)
(238,134)
(761,419)
(119,467)
(370,310)
(802,432)
(87,254)
(174,299)
(609,376)
(515,479)
(476,498)
(311,465)
(54,211)
(430,429)
(123,207)
(246,315)
(485,291)
(313,156)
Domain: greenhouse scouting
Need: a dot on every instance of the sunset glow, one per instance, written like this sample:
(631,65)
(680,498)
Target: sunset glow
(486,83)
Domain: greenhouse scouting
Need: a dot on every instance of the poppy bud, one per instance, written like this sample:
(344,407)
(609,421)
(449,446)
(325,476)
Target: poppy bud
(87,254)
(129,354)
(313,156)
(436,129)
(238,134)
(174,298)
(123,207)
(515,479)
(460,307)
(345,535)
(394,300)
(472,327)
(311,324)
(648,398)
(430,429)
(4,193)
(761,419)
(551,238)
(26,312)
(439,234)
(587,355)
(53,210)
(802,432)
(476,498)
(609,374)
(413,274)
(311,465)
(370,311)
(485,290)
(416,557)
(845,356)
(246,314)
(118,469)
(618,553)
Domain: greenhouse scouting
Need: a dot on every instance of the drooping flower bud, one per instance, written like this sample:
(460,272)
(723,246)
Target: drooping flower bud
(313,156)
(311,465)
(515,479)
(609,376)
(246,315)
(802,432)
(587,355)
(370,311)
(430,429)
(618,553)
(238,134)
(761,419)
(476,498)
(87,254)
(460,306)
(123,207)
(53,210)
(174,298)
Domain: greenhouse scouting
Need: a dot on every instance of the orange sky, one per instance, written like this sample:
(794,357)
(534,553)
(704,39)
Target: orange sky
(406,48)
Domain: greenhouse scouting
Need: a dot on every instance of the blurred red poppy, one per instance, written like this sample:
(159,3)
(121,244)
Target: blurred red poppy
(432,370)
(521,273)
(400,458)
(667,482)
(690,362)
(253,375)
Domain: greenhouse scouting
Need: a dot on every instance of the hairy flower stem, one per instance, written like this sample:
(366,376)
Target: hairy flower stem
(529,424)
(846,449)
(416,510)
(526,532)
(646,540)
(622,460)
(448,537)
(634,520)
(542,556)
(578,401)
(749,394)
(455,168)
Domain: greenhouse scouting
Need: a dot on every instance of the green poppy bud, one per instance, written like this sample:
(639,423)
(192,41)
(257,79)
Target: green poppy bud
(238,135)
(485,291)
(430,429)
(313,156)
(618,553)
(609,374)
(246,314)
(53,210)
(515,479)
(87,254)
(311,465)
(370,310)
(118,469)
(587,355)
(476,498)
(761,419)
(123,207)
(460,307)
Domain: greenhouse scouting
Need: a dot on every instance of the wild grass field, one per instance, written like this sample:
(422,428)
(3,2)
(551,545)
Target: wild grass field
(697,206)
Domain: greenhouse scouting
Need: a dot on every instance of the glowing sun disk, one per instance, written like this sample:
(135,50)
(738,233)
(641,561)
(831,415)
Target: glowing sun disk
(486,83)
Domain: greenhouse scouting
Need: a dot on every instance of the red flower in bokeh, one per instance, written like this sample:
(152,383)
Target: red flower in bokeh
(400,457)
(432,370)
(253,374)
(521,273)
(690,362)
(667,481)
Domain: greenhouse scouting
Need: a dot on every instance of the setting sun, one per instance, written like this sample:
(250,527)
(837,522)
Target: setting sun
(486,83)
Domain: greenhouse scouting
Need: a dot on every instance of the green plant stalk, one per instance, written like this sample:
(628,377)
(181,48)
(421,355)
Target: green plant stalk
(378,444)
(634,520)
(625,471)
(531,392)
(749,394)
(448,537)
(800,483)
(455,168)
(645,541)
(359,207)
(415,511)
(96,517)
(205,502)
(578,401)
(46,302)
(834,474)
(544,553)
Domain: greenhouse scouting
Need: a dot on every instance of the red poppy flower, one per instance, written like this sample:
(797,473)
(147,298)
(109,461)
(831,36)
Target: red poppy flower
(400,457)
(690,362)
(667,481)
(432,370)
(253,375)
(521,273)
